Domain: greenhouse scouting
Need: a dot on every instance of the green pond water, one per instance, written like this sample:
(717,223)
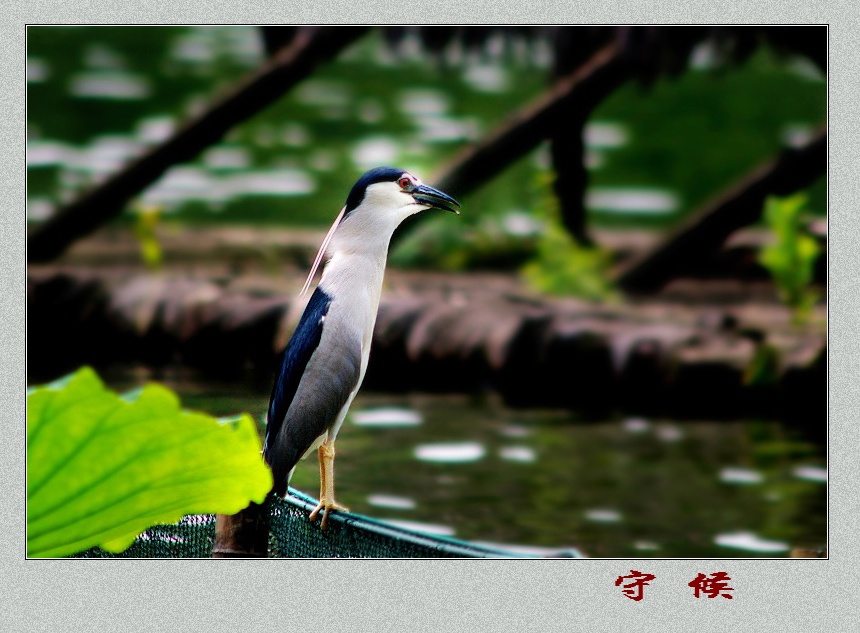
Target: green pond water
(540,480)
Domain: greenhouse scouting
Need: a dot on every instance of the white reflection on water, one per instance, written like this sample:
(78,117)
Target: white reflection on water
(631,200)
(227,157)
(106,154)
(521,224)
(155,129)
(39,209)
(420,103)
(811,473)
(440,129)
(194,47)
(796,134)
(244,44)
(735,475)
(426,528)
(460,452)
(602,134)
(377,150)
(704,56)
(37,70)
(186,182)
(387,417)
(486,77)
(109,85)
(635,425)
(45,153)
(515,430)
(648,546)
(202,46)
(286,181)
(603,515)
(522,454)
(749,541)
(428,109)
(528,550)
(669,433)
(391,501)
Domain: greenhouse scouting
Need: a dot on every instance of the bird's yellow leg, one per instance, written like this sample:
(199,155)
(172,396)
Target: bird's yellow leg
(327,502)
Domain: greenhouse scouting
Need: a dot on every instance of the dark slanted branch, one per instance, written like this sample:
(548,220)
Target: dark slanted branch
(276,37)
(570,99)
(706,230)
(309,48)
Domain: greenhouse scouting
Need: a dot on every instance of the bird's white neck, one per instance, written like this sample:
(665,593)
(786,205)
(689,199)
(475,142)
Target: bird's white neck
(353,280)
(348,274)
(358,253)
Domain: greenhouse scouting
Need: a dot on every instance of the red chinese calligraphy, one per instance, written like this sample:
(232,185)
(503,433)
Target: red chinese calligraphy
(712,586)
(638,581)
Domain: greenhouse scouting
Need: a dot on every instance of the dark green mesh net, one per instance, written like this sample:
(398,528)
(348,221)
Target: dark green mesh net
(292,535)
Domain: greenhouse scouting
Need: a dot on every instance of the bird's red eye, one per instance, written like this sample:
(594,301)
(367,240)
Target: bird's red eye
(405,183)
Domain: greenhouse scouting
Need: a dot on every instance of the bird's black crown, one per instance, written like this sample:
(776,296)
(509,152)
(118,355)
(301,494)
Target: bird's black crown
(377,174)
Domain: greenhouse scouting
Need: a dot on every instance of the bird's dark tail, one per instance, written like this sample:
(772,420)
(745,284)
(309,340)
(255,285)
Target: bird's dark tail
(282,458)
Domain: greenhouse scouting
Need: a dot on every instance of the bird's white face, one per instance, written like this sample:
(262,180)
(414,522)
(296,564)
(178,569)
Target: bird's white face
(393,200)
(385,204)
(377,204)
(396,200)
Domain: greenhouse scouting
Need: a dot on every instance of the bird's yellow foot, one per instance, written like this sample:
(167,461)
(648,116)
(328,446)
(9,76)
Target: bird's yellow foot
(326,507)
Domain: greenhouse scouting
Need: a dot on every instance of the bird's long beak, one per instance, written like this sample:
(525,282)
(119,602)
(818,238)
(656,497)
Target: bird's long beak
(425,194)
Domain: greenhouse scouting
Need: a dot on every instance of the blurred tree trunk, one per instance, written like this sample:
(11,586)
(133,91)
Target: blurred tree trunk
(567,148)
(572,47)
(310,47)
(705,231)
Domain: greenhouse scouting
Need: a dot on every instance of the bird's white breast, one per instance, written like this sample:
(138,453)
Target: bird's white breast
(354,282)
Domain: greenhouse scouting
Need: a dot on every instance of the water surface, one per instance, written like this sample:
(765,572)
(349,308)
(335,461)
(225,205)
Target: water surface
(542,479)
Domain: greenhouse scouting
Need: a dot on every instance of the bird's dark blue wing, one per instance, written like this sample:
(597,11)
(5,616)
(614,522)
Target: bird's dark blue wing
(298,352)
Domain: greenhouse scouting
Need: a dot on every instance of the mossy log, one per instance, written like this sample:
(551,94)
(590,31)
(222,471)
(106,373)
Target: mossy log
(657,358)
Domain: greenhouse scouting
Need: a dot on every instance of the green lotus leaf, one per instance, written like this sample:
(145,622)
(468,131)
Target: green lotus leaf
(101,468)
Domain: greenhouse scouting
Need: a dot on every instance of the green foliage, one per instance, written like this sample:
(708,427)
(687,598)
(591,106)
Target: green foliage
(790,259)
(101,467)
(764,367)
(146,219)
(465,243)
(563,266)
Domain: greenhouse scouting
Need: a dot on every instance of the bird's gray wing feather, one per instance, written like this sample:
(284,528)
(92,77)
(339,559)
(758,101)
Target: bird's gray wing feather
(331,376)
(303,343)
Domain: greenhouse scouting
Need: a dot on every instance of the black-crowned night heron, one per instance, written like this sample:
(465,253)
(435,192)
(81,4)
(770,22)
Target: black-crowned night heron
(325,360)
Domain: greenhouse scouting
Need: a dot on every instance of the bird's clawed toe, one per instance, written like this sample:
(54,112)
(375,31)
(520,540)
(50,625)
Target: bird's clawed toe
(326,507)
